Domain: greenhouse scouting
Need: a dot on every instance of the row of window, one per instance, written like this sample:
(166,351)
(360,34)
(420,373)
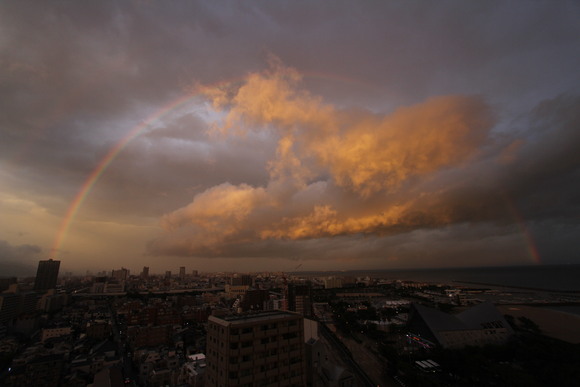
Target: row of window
(263,327)
(264,340)
(264,354)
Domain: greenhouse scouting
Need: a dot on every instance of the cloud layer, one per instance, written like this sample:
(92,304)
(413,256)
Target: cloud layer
(340,172)
(352,132)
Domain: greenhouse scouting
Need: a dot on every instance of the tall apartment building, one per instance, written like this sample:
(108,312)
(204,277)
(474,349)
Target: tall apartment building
(256,349)
(182,272)
(300,299)
(122,274)
(241,280)
(46,275)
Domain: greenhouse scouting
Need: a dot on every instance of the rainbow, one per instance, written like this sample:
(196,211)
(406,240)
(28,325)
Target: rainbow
(104,163)
(525,231)
(140,128)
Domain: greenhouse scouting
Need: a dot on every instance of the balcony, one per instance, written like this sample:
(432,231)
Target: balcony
(273,345)
(261,334)
(247,336)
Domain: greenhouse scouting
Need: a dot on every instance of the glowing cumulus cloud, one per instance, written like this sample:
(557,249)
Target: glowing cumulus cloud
(139,129)
(336,172)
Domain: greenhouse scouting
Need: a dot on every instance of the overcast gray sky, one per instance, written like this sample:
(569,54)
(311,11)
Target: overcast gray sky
(260,135)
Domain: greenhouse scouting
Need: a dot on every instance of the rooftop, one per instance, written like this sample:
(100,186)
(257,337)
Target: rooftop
(254,317)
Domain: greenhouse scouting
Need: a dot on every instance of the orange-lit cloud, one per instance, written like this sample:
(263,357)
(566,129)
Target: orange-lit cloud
(363,151)
(336,171)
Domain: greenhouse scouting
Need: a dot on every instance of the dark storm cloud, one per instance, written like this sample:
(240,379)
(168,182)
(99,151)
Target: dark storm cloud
(76,77)
(475,182)
(18,259)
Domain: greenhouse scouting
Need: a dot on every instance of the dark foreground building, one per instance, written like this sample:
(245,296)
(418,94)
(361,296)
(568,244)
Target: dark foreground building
(46,275)
(256,349)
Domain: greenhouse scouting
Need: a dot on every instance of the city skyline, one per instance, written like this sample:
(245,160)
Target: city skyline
(265,137)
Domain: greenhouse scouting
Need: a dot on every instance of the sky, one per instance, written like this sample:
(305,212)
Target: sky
(271,135)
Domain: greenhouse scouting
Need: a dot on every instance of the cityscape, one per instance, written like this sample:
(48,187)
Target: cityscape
(191,328)
(289,193)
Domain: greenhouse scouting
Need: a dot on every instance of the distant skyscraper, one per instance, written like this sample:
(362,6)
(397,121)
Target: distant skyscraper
(182,272)
(300,299)
(168,274)
(244,279)
(46,275)
(259,349)
(121,274)
(145,272)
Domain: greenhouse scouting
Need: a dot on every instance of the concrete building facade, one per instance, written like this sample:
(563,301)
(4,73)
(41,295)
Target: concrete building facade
(257,349)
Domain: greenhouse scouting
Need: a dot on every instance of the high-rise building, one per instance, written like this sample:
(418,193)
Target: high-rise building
(145,272)
(244,279)
(300,299)
(258,349)
(122,274)
(182,272)
(332,282)
(46,275)
(8,306)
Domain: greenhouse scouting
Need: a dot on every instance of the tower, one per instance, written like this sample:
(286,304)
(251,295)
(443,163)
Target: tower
(46,275)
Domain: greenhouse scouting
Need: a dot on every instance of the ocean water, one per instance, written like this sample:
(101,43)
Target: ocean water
(555,278)
(561,278)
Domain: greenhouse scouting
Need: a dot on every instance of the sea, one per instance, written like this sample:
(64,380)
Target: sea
(538,278)
(561,278)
